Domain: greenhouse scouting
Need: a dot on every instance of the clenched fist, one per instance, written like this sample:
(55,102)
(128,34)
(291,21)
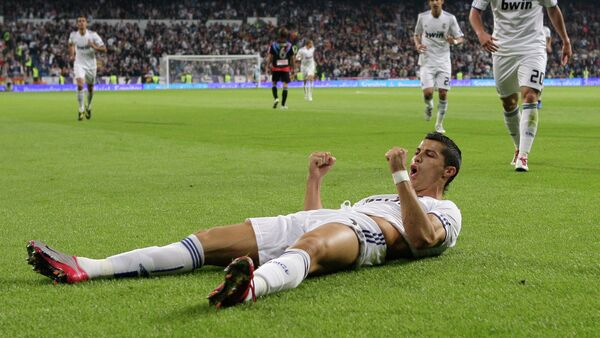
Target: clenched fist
(396,158)
(319,163)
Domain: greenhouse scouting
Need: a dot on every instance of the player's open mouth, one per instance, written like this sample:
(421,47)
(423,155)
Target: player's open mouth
(413,170)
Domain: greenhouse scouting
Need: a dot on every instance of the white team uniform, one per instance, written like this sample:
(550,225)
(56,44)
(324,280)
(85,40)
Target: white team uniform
(85,66)
(435,61)
(547,32)
(519,29)
(306,56)
(275,234)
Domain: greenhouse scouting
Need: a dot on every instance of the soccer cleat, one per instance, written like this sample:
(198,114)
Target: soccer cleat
(238,283)
(57,266)
(79,116)
(439,128)
(284,107)
(275,103)
(310,98)
(88,113)
(514,160)
(539,105)
(521,164)
(427,113)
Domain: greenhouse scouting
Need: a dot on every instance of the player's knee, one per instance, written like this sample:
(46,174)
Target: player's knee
(428,94)
(443,94)
(510,103)
(530,96)
(314,245)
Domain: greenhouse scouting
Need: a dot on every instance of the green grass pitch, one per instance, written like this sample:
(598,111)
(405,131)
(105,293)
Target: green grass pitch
(153,167)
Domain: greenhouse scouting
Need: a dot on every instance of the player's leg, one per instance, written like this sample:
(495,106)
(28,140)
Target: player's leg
(90,79)
(79,79)
(328,248)
(284,92)
(275,79)
(442,81)
(531,80)
(427,84)
(217,246)
(507,86)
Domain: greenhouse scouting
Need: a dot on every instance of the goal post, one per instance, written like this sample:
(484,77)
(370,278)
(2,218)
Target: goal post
(211,69)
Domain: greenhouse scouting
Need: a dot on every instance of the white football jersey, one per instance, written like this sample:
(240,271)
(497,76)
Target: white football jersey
(84,54)
(306,56)
(388,207)
(518,25)
(547,32)
(433,32)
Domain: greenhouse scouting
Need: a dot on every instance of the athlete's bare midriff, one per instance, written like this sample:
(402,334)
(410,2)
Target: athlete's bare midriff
(396,244)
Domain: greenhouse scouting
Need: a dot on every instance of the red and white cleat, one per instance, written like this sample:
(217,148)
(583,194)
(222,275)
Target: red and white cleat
(237,285)
(514,160)
(59,267)
(521,164)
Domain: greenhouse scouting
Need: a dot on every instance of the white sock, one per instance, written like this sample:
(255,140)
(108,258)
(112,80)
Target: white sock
(178,257)
(90,96)
(282,273)
(80,100)
(511,120)
(310,88)
(442,108)
(529,125)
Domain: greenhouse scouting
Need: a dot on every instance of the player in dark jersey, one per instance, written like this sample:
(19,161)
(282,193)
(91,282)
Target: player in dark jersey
(281,61)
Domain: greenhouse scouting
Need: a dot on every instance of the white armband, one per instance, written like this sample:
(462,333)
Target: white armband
(400,176)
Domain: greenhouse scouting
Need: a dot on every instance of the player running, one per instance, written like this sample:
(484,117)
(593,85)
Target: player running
(306,56)
(83,45)
(435,31)
(413,222)
(519,57)
(280,59)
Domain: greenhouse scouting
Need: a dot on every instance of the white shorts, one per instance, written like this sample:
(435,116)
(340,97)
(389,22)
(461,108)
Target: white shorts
(82,72)
(307,70)
(275,234)
(516,71)
(435,77)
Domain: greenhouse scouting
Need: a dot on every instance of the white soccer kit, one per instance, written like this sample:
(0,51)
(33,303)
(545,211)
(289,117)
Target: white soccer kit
(85,66)
(435,62)
(547,32)
(275,234)
(519,29)
(307,61)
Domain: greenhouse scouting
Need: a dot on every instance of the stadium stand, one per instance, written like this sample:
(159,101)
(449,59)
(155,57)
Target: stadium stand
(354,39)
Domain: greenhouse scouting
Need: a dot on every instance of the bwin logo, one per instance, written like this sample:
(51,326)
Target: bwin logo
(516,5)
(439,35)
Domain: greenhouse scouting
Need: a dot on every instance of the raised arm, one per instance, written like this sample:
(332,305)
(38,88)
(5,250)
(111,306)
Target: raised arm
(556,17)
(423,230)
(485,39)
(319,164)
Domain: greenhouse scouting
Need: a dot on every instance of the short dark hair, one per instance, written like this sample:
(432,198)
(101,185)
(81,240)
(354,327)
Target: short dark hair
(283,33)
(452,154)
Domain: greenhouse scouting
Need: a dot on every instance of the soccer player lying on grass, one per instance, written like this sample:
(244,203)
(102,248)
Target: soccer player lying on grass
(415,222)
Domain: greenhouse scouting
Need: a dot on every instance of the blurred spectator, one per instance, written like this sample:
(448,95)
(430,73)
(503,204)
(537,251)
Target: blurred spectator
(367,39)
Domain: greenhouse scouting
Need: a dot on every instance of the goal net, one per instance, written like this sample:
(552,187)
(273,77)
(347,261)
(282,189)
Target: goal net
(211,69)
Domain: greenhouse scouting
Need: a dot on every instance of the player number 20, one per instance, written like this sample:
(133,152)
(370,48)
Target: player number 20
(537,77)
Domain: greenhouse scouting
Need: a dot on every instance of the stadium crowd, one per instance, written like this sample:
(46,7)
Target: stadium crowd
(366,39)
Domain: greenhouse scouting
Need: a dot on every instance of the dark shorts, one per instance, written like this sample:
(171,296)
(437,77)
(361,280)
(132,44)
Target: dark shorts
(280,76)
